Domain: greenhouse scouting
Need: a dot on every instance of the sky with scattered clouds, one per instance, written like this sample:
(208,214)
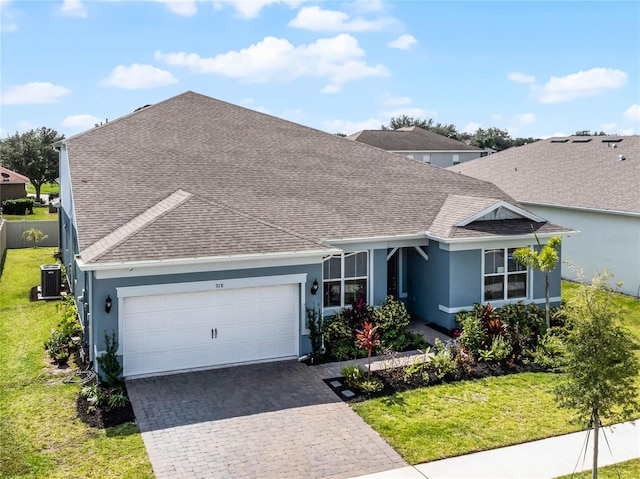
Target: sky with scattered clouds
(535,68)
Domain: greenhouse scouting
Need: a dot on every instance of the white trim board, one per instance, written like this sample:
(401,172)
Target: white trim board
(195,286)
(131,270)
(497,304)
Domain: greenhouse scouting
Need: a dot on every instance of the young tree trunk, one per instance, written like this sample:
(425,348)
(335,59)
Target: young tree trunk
(596,427)
(546,300)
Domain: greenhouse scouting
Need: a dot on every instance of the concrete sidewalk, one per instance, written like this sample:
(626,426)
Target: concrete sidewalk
(546,458)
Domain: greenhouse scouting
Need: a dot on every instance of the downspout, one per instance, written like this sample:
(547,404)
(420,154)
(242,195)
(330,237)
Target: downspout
(90,296)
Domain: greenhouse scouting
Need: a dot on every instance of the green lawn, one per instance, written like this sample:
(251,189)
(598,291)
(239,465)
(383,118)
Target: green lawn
(39,213)
(45,189)
(459,418)
(624,470)
(40,435)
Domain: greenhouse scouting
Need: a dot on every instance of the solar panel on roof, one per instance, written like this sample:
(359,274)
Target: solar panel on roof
(560,140)
(581,140)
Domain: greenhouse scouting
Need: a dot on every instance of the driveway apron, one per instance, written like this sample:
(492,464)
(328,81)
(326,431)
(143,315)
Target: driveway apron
(273,420)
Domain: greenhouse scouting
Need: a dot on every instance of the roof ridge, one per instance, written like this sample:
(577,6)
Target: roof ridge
(121,234)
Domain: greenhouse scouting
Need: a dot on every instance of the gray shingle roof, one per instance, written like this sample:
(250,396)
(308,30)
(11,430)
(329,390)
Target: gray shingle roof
(411,138)
(194,177)
(575,171)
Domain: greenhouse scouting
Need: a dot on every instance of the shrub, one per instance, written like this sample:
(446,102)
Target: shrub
(19,206)
(69,324)
(473,336)
(340,330)
(370,385)
(58,346)
(314,323)
(442,361)
(109,364)
(500,348)
(549,353)
(338,336)
(352,374)
(104,398)
(392,317)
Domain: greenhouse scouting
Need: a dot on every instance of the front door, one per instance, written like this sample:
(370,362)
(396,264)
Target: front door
(392,272)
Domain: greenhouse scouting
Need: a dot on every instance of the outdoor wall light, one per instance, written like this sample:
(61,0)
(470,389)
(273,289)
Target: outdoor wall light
(107,305)
(314,287)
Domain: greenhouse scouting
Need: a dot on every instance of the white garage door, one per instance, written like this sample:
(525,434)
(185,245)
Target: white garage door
(180,331)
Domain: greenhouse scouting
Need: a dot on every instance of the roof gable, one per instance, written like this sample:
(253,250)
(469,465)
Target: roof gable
(9,176)
(411,138)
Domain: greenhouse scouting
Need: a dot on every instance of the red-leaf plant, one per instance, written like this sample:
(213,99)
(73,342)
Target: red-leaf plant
(367,338)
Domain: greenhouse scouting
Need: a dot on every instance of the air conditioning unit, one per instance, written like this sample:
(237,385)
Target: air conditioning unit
(50,281)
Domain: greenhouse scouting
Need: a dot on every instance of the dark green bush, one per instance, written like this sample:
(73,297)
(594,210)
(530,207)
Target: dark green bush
(109,365)
(392,317)
(19,206)
(314,323)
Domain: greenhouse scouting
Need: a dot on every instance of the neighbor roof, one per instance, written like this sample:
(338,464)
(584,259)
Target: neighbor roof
(577,171)
(412,138)
(8,176)
(195,177)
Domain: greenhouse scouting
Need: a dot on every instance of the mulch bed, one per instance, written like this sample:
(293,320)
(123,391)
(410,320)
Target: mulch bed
(103,418)
(394,378)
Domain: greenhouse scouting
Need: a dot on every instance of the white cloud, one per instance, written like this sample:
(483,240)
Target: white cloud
(632,113)
(331,89)
(471,127)
(275,59)
(608,127)
(251,8)
(496,116)
(137,77)
(521,77)
(6,25)
(526,118)
(582,84)
(80,122)
(348,127)
(186,8)
(316,19)
(626,132)
(33,93)
(403,42)
(73,8)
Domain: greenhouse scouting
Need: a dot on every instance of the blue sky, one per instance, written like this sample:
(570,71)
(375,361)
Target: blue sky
(535,68)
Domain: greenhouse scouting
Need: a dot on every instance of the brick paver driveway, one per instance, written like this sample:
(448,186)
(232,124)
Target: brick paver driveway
(274,420)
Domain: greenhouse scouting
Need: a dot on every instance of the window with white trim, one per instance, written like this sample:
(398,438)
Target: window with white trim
(426,158)
(503,277)
(456,158)
(344,279)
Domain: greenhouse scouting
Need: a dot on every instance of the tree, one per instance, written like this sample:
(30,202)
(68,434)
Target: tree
(544,261)
(601,365)
(404,121)
(588,133)
(32,155)
(34,235)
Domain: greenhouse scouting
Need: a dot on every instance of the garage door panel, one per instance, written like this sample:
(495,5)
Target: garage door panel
(174,331)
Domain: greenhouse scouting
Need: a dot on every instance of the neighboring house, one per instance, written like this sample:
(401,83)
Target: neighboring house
(419,144)
(588,183)
(12,185)
(227,224)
